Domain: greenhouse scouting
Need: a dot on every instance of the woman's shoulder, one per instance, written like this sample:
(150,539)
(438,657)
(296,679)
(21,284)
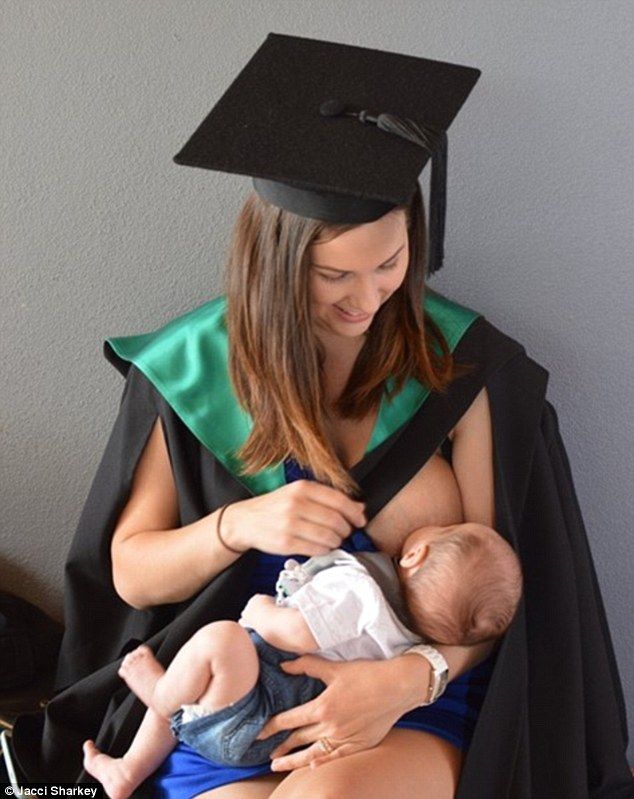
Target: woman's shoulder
(470,327)
(452,318)
(501,360)
(185,363)
(193,335)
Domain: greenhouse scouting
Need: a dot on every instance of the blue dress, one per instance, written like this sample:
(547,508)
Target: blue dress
(185,774)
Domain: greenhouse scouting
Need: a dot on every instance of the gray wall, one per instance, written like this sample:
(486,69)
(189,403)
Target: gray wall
(103,235)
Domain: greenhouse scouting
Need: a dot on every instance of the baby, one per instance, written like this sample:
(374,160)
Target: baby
(455,585)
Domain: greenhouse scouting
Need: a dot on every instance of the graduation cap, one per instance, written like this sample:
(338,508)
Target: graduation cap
(335,132)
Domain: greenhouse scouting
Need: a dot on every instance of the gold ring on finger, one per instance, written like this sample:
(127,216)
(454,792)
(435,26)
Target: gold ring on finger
(326,745)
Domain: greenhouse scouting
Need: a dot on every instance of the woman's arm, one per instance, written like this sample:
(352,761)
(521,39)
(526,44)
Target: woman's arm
(154,562)
(472,463)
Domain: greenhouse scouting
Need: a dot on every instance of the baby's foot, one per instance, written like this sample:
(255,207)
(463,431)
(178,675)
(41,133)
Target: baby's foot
(111,772)
(141,671)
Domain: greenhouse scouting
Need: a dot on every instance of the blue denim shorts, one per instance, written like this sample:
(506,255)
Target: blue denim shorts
(227,736)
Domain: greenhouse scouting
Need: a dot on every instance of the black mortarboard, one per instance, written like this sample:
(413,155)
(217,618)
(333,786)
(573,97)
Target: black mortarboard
(336,132)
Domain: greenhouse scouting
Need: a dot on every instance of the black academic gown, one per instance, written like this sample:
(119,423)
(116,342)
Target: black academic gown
(553,722)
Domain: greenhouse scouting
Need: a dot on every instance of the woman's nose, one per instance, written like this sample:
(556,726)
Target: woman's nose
(367,297)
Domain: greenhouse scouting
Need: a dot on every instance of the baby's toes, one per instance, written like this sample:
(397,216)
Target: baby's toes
(127,665)
(141,653)
(133,660)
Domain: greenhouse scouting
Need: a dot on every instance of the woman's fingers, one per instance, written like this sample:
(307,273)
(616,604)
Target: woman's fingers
(310,713)
(350,509)
(313,756)
(340,751)
(298,759)
(313,666)
(306,735)
(300,716)
(311,538)
(326,517)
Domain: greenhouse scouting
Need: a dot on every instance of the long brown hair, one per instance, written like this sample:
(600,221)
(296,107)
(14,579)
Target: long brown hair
(275,360)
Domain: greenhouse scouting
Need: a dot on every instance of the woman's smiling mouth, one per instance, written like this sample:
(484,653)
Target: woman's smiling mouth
(350,317)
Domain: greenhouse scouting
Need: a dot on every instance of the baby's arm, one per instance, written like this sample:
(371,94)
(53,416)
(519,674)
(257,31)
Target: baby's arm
(282,627)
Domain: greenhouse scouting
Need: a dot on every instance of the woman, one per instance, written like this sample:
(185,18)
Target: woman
(351,372)
(352,280)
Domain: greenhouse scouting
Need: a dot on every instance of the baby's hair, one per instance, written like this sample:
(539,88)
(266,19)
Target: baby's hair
(468,588)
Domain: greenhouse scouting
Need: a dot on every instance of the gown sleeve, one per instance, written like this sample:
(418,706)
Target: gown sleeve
(91,700)
(99,637)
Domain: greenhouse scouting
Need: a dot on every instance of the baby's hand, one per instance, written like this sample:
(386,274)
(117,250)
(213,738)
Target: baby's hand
(255,609)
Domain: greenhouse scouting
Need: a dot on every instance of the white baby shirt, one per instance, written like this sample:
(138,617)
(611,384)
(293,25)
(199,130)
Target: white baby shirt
(348,614)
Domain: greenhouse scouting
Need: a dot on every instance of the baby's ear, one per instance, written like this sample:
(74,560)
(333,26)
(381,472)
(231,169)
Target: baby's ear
(414,557)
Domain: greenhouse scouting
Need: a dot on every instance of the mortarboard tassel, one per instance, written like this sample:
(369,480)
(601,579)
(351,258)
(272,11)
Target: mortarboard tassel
(437,207)
(429,139)
(423,135)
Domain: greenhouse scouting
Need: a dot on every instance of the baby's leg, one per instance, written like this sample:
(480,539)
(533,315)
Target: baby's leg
(121,776)
(215,668)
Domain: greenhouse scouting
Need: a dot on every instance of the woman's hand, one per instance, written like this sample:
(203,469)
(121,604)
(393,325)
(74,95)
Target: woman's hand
(301,518)
(357,709)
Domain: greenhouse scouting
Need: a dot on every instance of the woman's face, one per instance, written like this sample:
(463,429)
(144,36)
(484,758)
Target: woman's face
(352,275)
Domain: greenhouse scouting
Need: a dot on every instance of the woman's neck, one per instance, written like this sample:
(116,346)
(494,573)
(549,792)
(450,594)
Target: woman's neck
(340,355)
(340,349)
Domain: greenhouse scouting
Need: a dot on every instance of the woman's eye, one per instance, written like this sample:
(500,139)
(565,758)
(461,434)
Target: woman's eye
(332,279)
(343,275)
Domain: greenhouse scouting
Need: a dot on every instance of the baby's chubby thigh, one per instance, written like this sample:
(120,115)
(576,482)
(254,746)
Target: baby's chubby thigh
(226,651)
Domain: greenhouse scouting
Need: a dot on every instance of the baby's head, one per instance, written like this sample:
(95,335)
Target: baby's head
(461,583)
